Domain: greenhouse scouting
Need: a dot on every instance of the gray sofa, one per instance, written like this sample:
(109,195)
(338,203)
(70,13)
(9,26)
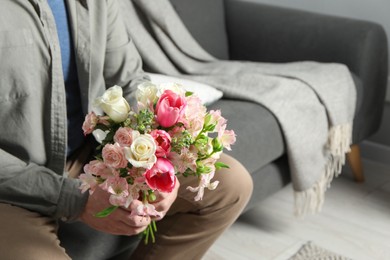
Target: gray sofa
(249,30)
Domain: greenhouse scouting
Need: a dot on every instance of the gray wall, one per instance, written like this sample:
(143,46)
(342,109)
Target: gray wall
(373,10)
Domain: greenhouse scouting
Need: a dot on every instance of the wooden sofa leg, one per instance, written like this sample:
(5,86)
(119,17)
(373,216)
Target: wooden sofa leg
(355,162)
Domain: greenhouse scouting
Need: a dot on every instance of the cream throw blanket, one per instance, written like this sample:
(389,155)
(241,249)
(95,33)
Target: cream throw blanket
(313,102)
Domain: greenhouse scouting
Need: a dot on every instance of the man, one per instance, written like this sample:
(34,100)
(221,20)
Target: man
(56,57)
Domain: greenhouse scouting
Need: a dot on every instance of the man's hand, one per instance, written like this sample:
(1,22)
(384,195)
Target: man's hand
(165,200)
(119,222)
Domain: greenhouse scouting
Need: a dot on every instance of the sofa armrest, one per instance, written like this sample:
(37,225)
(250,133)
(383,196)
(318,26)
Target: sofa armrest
(266,33)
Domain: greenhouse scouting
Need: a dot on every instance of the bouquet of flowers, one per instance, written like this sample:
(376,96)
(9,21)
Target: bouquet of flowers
(141,149)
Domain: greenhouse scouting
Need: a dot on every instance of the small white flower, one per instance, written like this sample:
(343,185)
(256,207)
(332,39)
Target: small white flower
(99,135)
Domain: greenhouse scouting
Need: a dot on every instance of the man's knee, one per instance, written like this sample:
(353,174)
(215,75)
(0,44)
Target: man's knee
(28,235)
(235,182)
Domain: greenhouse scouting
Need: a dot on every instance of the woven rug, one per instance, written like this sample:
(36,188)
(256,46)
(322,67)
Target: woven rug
(310,251)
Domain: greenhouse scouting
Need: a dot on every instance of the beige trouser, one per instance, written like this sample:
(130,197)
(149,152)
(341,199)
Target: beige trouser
(187,232)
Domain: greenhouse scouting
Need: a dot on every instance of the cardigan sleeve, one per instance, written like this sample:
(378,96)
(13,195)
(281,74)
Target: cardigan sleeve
(39,189)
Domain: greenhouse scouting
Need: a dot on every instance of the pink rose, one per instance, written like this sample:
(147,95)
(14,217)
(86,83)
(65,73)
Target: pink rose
(170,108)
(123,136)
(90,123)
(114,156)
(163,142)
(161,176)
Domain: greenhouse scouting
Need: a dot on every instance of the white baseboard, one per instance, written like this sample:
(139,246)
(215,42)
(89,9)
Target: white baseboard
(375,152)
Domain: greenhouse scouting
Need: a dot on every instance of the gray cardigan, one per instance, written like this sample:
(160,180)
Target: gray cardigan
(32,97)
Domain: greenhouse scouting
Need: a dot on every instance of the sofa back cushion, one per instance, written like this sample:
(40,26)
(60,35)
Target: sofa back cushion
(205,19)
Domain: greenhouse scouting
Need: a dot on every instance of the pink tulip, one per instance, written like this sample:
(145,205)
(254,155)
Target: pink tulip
(170,108)
(163,142)
(161,176)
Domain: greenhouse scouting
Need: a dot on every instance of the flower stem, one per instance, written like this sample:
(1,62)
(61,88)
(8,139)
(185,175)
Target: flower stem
(149,232)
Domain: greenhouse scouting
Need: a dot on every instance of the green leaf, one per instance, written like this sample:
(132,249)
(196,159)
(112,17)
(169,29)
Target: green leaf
(209,127)
(105,212)
(219,165)
(189,93)
(217,145)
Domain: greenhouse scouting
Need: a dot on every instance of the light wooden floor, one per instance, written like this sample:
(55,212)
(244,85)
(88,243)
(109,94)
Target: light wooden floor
(354,222)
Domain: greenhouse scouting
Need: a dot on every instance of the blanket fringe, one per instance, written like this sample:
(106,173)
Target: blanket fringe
(312,200)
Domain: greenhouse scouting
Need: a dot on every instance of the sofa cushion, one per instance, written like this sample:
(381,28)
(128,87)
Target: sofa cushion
(208,28)
(206,93)
(259,138)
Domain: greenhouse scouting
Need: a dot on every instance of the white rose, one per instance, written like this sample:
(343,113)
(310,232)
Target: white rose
(113,104)
(142,151)
(178,89)
(146,93)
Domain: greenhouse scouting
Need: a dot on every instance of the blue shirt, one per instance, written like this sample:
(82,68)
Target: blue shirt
(73,100)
